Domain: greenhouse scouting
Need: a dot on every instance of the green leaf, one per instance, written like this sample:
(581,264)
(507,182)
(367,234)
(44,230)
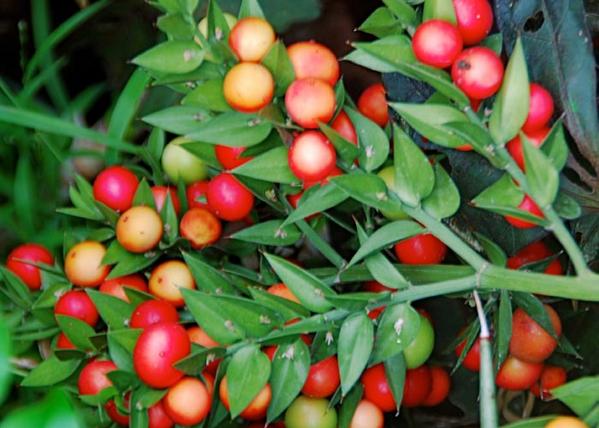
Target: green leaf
(250,8)
(120,347)
(247,374)
(429,120)
(170,222)
(175,25)
(253,318)
(385,236)
(270,166)
(55,410)
(205,152)
(349,405)
(196,362)
(439,9)
(397,328)
(290,367)
(208,95)
(178,119)
(16,286)
(314,201)
(367,189)
(444,201)
(50,372)
(356,338)
(144,195)
(372,140)
(345,148)
(580,395)
(207,277)
(510,108)
(404,12)
(543,178)
(395,370)
(126,262)
(470,336)
(503,328)
(567,207)
(127,104)
(535,309)
(232,129)
(309,290)
(476,136)
(114,311)
(381,23)
(495,253)
(539,422)
(173,56)
(414,176)
(494,42)
(555,146)
(270,232)
(288,309)
(77,331)
(278,63)
(5,364)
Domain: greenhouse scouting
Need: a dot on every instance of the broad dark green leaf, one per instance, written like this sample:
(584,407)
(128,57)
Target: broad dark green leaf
(444,201)
(196,362)
(349,405)
(439,9)
(496,255)
(397,328)
(567,207)
(356,338)
(543,178)
(114,311)
(346,150)
(207,95)
(77,331)
(503,328)
(175,25)
(207,277)
(50,372)
(174,56)
(232,129)
(55,410)
(555,146)
(381,23)
(289,310)
(395,369)
(535,309)
(280,66)
(126,262)
(270,166)
(144,195)
(290,367)
(314,201)
(580,395)
(250,8)
(270,232)
(372,140)
(367,189)
(178,119)
(247,373)
(120,347)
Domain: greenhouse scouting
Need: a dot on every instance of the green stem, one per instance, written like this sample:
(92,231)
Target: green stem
(322,245)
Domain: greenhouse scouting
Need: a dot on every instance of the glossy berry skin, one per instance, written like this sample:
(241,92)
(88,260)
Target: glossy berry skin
(231,157)
(200,227)
(421,348)
(437,43)
(423,249)
(188,401)
(115,187)
(93,379)
(440,386)
(251,38)
(198,336)
(535,252)
(157,417)
(248,87)
(257,408)
(344,126)
(168,278)
(228,198)
(139,229)
(566,422)
(158,348)
(373,104)
(376,388)
(281,290)
(306,412)
(77,304)
(517,375)
(115,414)
(309,101)
(313,60)
(514,146)
(472,359)
(551,377)
(115,286)
(311,156)
(475,19)
(160,192)
(195,193)
(478,72)
(153,312)
(417,387)
(63,342)
(83,264)
(529,341)
(323,378)
(527,205)
(540,109)
(181,165)
(367,415)
(29,274)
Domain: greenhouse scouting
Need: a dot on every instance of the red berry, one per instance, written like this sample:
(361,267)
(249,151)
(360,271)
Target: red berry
(517,375)
(77,304)
(529,341)
(423,249)
(158,417)
(231,157)
(417,386)
(309,101)
(188,401)
(63,342)
(551,377)
(153,312)
(256,410)
(529,206)
(323,378)
(160,192)
(376,388)
(116,187)
(115,286)
(228,198)
(472,359)
(311,156)
(29,273)
(158,348)
(115,414)
(375,287)
(437,43)
(344,126)
(373,104)
(514,146)
(195,193)
(475,19)
(535,252)
(478,72)
(440,385)
(93,379)
(540,109)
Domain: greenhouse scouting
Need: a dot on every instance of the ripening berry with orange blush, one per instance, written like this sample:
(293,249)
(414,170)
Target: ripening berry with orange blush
(310,101)
(83,264)
(311,156)
(248,87)
(200,227)
(251,38)
(373,104)
(312,59)
(139,229)
(116,286)
(256,410)
(188,401)
(168,278)
(283,291)
(530,342)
